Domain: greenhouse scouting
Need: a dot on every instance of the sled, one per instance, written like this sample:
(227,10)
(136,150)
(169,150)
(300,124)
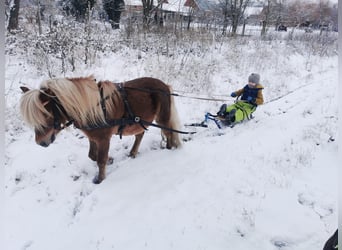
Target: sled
(219,121)
(208,117)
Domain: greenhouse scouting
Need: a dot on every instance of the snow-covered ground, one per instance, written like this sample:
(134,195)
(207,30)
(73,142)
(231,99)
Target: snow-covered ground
(267,184)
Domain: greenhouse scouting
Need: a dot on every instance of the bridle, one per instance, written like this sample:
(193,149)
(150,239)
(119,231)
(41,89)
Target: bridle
(57,112)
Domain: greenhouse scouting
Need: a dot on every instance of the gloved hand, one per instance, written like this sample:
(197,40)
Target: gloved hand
(250,99)
(233,94)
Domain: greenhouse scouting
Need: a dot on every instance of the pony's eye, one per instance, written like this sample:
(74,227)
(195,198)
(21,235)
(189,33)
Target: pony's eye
(41,129)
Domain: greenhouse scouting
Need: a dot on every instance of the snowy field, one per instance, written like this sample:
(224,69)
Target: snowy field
(267,184)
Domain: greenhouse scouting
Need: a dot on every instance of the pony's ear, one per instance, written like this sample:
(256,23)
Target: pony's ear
(24,89)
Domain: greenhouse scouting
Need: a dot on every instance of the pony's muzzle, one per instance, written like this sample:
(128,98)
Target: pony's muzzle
(45,143)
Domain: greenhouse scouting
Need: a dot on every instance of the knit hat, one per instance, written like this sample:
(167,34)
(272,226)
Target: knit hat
(254,77)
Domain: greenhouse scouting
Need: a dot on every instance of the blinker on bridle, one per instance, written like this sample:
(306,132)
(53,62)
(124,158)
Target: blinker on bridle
(57,111)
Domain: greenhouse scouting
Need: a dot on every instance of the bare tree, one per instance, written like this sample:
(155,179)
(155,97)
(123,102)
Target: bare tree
(224,4)
(237,9)
(147,12)
(39,17)
(233,10)
(150,8)
(113,9)
(266,17)
(78,8)
(191,14)
(14,15)
(7,8)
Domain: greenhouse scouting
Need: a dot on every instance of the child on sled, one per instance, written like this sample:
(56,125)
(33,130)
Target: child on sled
(251,97)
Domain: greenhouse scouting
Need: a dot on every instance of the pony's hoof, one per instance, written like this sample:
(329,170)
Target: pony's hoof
(132,155)
(97,180)
(110,160)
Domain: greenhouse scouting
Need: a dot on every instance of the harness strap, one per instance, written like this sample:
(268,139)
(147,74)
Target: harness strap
(124,98)
(166,128)
(137,119)
(131,117)
(103,104)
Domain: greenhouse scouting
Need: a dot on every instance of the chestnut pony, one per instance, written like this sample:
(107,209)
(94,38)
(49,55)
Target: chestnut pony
(100,110)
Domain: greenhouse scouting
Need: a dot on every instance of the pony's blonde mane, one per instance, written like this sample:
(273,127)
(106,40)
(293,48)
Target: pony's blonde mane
(79,96)
(33,110)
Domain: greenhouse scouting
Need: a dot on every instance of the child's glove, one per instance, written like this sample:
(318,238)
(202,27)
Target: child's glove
(250,99)
(233,94)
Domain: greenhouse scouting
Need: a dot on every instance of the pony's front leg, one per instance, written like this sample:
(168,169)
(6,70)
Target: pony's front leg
(93,153)
(92,150)
(102,158)
(134,150)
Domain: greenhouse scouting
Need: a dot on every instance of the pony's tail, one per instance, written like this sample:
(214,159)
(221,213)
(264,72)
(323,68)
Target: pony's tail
(174,122)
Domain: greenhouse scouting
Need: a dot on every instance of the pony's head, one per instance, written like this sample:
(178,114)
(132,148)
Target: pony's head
(60,101)
(41,110)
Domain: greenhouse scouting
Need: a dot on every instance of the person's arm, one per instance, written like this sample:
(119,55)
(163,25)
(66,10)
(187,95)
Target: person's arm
(236,93)
(260,98)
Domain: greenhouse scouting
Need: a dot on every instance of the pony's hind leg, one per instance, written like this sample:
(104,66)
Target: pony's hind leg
(174,124)
(166,137)
(168,117)
(172,139)
(135,148)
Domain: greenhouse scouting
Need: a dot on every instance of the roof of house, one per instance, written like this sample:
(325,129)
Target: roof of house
(133,2)
(179,5)
(253,11)
(206,4)
(176,6)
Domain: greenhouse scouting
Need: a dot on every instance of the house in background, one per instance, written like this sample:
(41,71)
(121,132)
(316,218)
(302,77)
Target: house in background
(252,14)
(202,5)
(200,11)
(133,8)
(172,8)
(175,8)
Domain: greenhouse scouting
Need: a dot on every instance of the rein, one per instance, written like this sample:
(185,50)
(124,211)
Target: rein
(178,95)
(124,121)
(200,98)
